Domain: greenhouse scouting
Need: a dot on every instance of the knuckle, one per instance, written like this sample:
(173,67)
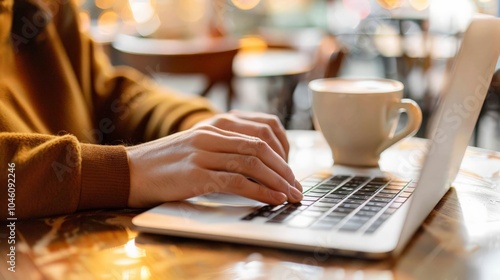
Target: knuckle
(275,120)
(261,189)
(203,127)
(288,174)
(198,173)
(251,162)
(201,136)
(196,158)
(222,121)
(265,132)
(280,184)
(260,145)
(234,165)
(236,181)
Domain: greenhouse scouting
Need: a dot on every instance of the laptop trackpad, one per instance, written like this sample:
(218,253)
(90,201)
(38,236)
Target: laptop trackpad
(206,209)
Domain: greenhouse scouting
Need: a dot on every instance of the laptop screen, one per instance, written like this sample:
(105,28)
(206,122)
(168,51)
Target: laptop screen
(455,118)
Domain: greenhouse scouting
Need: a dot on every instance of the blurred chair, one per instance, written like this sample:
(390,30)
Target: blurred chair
(329,57)
(288,65)
(210,57)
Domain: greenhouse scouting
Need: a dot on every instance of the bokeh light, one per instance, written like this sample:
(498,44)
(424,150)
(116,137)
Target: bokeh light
(283,6)
(142,11)
(419,5)
(191,10)
(390,4)
(360,7)
(245,4)
(84,20)
(107,22)
(79,3)
(253,44)
(104,4)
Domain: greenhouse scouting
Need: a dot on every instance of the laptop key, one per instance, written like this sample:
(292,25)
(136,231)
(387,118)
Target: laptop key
(375,203)
(280,218)
(334,195)
(366,213)
(400,199)
(357,199)
(331,201)
(351,226)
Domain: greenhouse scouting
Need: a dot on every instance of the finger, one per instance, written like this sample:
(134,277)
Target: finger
(271,120)
(214,139)
(256,129)
(240,185)
(248,166)
(298,186)
(262,131)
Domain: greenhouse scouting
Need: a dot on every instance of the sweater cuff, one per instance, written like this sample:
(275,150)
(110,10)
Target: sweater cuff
(105,177)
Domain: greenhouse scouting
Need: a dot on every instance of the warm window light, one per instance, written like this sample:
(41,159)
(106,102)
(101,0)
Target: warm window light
(389,4)
(450,16)
(245,4)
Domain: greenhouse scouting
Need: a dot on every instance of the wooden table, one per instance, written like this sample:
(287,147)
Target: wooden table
(459,240)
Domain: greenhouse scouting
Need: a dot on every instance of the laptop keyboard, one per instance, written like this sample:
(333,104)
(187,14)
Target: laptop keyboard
(344,203)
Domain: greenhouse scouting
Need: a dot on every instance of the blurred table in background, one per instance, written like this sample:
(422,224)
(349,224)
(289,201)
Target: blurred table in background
(211,57)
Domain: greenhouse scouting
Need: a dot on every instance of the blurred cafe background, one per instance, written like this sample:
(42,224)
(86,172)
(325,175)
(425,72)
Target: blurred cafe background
(259,55)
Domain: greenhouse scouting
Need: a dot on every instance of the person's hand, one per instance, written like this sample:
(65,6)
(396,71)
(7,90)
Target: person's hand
(208,158)
(264,126)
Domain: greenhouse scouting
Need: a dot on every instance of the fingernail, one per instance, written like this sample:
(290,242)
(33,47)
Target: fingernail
(281,197)
(298,186)
(296,194)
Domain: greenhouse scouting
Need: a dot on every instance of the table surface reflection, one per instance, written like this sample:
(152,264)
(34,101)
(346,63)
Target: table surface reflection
(459,240)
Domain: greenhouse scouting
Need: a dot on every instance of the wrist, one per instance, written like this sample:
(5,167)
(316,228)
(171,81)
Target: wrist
(195,118)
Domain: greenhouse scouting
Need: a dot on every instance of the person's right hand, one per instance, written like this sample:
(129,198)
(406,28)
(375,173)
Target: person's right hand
(208,159)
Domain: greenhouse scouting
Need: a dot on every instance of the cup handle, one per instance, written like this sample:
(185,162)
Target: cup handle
(412,124)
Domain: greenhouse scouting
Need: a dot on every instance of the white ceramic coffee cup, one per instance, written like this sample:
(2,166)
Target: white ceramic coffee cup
(358,117)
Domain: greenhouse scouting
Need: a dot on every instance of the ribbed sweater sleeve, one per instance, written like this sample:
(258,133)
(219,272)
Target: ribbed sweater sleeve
(56,175)
(105,177)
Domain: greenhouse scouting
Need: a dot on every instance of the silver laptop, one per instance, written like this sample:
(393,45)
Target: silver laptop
(345,211)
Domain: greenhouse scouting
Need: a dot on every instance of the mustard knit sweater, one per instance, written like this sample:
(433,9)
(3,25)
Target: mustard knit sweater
(66,114)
